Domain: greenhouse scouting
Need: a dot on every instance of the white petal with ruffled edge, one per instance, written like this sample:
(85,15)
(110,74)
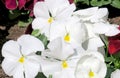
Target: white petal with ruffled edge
(86,12)
(65,73)
(100,15)
(113,30)
(106,28)
(115,74)
(19,72)
(56,30)
(41,10)
(101,28)
(91,61)
(39,23)
(31,68)
(10,66)
(55,5)
(94,44)
(65,13)
(93,14)
(60,49)
(50,66)
(11,49)
(30,44)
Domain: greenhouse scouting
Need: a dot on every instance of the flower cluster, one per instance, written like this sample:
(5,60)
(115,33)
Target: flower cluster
(64,43)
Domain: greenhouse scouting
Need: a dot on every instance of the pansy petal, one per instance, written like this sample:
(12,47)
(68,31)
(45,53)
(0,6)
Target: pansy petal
(11,49)
(34,58)
(41,10)
(42,25)
(57,3)
(21,3)
(60,49)
(55,47)
(91,61)
(100,28)
(112,31)
(10,66)
(77,31)
(67,50)
(86,12)
(102,13)
(94,46)
(31,69)
(11,4)
(95,54)
(57,30)
(64,12)
(66,73)
(30,44)
(49,67)
(115,74)
(53,4)
(39,23)
(19,72)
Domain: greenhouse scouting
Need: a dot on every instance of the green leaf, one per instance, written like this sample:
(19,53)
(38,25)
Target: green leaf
(14,14)
(116,4)
(40,75)
(83,1)
(109,71)
(35,32)
(44,39)
(106,2)
(109,59)
(96,3)
(25,23)
(117,55)
(50,76)
(99,2)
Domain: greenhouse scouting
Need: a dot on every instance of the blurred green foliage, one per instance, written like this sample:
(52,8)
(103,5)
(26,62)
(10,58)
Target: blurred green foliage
(114,3)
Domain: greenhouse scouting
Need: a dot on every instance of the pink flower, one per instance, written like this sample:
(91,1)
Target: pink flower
(26,4)
(71,1)
(12,4)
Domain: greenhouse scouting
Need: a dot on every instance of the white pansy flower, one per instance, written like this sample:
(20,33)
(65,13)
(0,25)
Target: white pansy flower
(58,62)
(93,41)
(75,33)
(115,74)
(95,20)
(91,65)
(51,14)
(20,59)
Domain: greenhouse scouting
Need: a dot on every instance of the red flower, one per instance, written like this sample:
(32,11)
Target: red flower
(114,44)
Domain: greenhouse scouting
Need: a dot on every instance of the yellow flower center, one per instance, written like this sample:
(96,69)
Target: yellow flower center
(91,74)
(50,20)
(64,64)
(22,59)
(67,37)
